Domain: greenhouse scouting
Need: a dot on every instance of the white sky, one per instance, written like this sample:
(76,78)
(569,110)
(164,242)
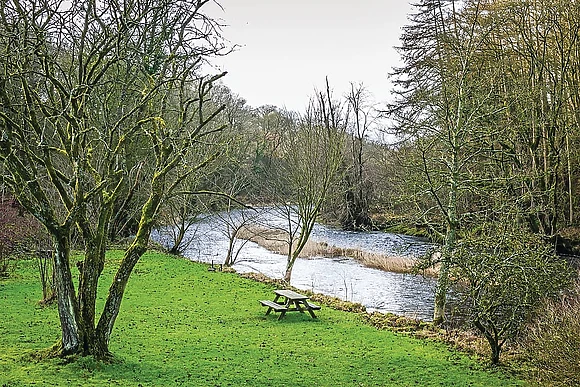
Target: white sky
(288,47)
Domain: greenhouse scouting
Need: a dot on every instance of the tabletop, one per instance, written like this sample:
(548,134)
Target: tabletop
(290,294)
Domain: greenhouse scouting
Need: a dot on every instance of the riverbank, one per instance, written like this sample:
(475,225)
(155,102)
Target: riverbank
(181,325)
(276,241)
(399,224)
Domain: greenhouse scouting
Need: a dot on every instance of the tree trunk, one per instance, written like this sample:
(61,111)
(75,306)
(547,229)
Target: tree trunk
(569,173)
(91,270)
(495,351)
(306,225)
(232,239)
(443,278)
(113,302)
(290,265)
(72,338)
(448,251)
(178,239)
(441,293)
(130,259)
(493,341)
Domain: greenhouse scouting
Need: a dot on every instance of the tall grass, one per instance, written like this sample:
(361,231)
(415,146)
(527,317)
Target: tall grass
(276,241)
(182,325)
(553,341)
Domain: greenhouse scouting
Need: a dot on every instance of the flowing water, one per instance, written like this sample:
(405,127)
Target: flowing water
(345,278)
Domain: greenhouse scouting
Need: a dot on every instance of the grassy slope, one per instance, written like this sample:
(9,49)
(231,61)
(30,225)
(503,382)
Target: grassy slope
(182,325)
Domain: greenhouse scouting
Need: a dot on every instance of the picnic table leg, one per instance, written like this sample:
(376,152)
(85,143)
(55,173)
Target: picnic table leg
(282,314)
(286,304)
(299,306)
(309,309)
(270,308)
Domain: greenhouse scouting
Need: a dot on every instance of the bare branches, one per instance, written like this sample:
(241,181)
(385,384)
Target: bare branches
(100,99)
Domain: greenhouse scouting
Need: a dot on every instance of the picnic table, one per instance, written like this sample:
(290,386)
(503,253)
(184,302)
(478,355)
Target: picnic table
(289,301)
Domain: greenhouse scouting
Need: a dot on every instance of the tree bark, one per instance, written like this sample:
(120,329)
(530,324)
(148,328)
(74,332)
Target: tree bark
(130,259)
(91,270)
(450,241)
(493,341)
(231,241)
(441,293)
(175,249)
(72,338)
(290,265)
(288,273)
(116,293)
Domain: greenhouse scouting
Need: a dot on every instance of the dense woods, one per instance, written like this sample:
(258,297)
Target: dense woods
(487,103)
(486,109)
(110,128)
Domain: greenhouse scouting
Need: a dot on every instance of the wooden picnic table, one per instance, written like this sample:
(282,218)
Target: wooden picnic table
(289,301)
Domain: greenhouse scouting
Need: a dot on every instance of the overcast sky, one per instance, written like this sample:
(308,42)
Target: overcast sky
(288,47)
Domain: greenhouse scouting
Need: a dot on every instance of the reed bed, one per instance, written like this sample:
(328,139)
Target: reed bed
(277,241)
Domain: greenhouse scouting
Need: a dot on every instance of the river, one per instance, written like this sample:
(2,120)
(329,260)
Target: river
(403,294)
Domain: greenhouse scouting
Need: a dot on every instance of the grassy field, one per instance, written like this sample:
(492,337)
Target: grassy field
(182,325)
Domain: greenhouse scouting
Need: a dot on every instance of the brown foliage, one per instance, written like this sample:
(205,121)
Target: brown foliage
(17,230)
(553,341)
(277,241)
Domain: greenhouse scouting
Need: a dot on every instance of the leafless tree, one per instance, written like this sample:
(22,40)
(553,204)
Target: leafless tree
(83,86)
(309,164)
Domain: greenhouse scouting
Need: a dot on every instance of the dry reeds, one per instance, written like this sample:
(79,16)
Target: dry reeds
(277,241)
(271,239)
(553,339)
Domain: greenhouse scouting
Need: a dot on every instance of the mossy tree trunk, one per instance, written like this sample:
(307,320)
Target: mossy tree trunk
(130,259)
(448,249)
(72,329)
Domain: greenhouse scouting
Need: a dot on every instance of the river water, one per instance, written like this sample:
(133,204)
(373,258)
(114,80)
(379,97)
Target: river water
(343,277)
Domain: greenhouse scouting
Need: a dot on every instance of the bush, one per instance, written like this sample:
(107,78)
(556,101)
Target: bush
(553,341)
(505,273)
(18,231)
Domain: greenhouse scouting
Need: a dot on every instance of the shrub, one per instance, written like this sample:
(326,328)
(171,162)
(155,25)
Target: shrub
(18,231)
(553,340)
(506,272)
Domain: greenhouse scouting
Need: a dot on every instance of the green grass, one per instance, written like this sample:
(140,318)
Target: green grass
(182,325)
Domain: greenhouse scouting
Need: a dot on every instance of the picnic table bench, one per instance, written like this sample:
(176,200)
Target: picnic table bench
(289,301)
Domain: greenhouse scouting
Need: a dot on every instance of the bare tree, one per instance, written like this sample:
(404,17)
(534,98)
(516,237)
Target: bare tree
(83,85)
(181,214)
(357,184)
(445,94)
(309,164)
(233,220)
